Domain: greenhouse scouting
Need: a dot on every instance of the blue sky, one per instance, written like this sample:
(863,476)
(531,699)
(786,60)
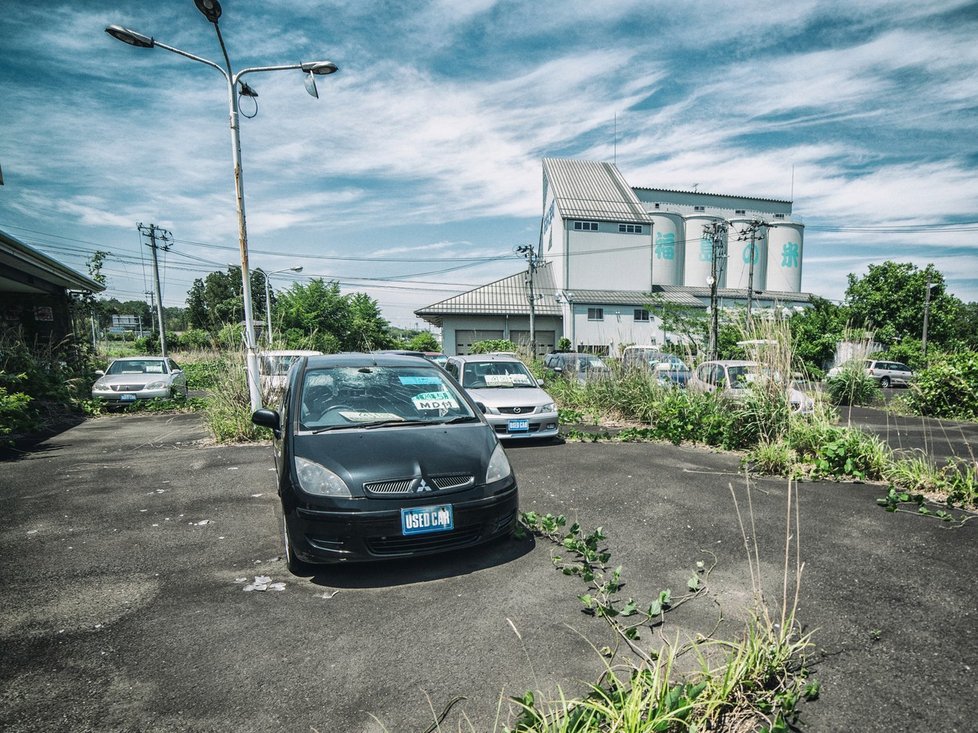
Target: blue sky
(418,170)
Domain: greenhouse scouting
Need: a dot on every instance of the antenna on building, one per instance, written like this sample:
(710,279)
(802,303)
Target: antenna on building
(792,196)
(616,138)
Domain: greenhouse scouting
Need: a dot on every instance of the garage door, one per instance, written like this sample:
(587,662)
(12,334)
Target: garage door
(465,339)
(546,341)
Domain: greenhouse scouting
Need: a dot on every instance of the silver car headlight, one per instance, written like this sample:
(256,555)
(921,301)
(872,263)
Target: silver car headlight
(100,384)
(158,384)
(319,480)
(549,407)
(499,467)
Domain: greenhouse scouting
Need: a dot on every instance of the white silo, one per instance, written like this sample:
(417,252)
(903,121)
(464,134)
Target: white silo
(668,248)
(739,255)
(784,255)
(698,262)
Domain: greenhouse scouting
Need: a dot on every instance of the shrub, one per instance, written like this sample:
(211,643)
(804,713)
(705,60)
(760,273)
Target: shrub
(853,386)
(16,414)
(490,345)
(948,388)
(229,404)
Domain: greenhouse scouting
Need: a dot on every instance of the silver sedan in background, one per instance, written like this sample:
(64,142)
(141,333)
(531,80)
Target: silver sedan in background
(140,378)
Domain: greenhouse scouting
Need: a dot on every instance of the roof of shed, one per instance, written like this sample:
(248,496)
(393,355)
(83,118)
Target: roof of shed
(509,296)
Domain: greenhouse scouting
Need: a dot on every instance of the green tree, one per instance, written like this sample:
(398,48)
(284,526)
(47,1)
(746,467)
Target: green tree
(316,315)
(691,324)
(368,330)
(423,341)
(816,331)
(889,301)
(215,300)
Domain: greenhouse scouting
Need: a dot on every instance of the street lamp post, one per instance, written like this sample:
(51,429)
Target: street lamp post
(211,9)
(268,298)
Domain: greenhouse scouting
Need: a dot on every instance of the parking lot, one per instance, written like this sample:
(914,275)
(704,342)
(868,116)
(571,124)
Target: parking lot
(127,544)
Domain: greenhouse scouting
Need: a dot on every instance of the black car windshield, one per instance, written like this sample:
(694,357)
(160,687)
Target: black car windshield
(368,395)
(137,366)
(496,374)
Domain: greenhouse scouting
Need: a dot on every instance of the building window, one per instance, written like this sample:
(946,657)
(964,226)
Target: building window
(641,315)
(630,228)
(699,208)
(740,211)
(779,216)
(586,226)
(595,314)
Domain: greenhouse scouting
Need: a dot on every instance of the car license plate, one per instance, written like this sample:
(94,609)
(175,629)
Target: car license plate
(127,398)
(427,519)
(519,426)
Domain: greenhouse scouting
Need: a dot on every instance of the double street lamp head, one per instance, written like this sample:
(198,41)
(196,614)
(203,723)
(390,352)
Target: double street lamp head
(210,8)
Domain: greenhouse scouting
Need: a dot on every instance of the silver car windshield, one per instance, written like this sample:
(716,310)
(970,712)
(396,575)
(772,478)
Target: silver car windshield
(138,366)
(365,396)
(496,375)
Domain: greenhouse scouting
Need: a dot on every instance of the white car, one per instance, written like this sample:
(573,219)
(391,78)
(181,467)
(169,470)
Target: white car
(273,367)
(514,404)
(733,377)
(140,378)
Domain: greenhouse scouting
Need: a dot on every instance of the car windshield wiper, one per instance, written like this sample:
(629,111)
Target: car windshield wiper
(392,423)
(459,419)
(327,428)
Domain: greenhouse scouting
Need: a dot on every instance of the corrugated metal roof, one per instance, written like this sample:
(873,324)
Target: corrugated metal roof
(587,189)
(718,195)
(704,292)
(509,296)
(680,295)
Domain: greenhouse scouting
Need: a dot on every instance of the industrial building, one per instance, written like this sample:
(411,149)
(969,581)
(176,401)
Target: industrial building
(609,251)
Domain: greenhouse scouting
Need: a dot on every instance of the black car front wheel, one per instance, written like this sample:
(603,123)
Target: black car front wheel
(294,564)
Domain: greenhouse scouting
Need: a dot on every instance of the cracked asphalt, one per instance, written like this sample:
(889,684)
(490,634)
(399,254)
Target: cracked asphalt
(126,544)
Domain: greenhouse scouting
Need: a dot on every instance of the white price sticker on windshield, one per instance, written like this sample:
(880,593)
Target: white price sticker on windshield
(435,401)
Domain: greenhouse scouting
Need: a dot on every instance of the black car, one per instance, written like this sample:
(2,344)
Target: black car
(383,456)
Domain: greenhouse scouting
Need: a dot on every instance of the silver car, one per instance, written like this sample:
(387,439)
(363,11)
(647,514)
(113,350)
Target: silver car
(140,378)
(514,404)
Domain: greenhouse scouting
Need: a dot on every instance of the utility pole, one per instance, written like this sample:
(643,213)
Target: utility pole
(717,234)
(155,233)
(527,251)
(751,232)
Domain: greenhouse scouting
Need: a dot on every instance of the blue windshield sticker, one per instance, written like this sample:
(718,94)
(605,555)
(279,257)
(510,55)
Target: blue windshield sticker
(420,380)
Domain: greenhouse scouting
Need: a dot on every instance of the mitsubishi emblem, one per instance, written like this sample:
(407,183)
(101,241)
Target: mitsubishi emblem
(422,487)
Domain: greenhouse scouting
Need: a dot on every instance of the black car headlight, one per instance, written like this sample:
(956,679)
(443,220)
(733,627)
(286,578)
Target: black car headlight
(319,480)
(499,467)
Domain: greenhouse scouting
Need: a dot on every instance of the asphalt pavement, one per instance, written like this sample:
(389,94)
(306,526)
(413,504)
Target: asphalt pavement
(127,544)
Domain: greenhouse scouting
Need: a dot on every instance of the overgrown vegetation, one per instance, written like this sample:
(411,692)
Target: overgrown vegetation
(753,682)
(947,388)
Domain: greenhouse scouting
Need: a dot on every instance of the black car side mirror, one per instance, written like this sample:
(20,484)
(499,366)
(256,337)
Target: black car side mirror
(481,407)
(265,418)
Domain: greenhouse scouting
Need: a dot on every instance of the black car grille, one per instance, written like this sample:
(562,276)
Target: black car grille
(450,482)
(127,387)
(390,487)
(517,410)
(426,543)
